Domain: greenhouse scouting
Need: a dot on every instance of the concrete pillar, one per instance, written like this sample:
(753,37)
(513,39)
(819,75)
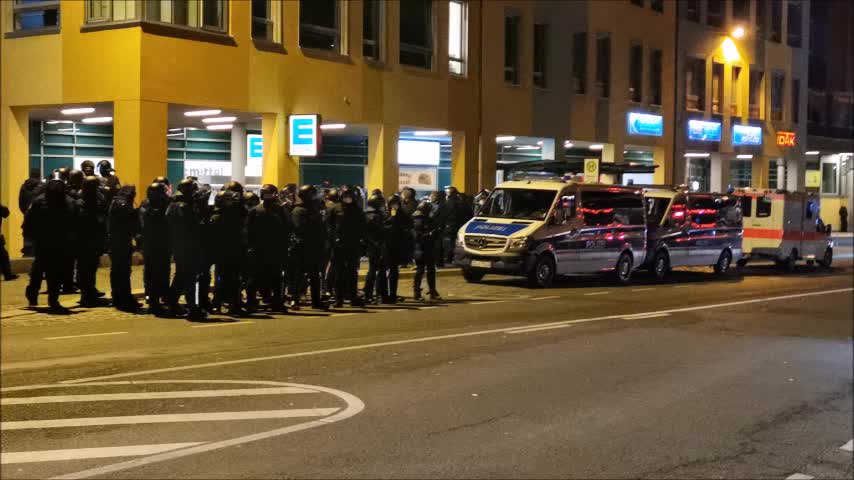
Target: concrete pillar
(279,168)
(611,153)
(488,156)
(238,152)
(664,171)
(14,169)
(759,172)
(795,175)
(719,172)
(139,142)
(781,174)
(464,161)
(383,170)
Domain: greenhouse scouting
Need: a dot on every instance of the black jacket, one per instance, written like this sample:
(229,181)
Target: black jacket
(309,230)
(31,188)
(374,231)
(347,228)
(50,226)
(398,238)
(123,224)
(91,224)
(185,232)
(155,230)
(425,235)
(268,230)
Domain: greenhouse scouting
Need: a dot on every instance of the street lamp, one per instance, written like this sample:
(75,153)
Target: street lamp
(738,32)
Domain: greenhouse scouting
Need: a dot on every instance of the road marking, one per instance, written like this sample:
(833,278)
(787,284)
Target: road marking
(440,337)
(596,293)
(799,476)
(342,314)
(537,329)
(108,397)
(488,302)
(87,335)
(645,316)
(84,453)
(429,308)
(546,298)
(848,447)
(684,286)
(228,324)
(642,289)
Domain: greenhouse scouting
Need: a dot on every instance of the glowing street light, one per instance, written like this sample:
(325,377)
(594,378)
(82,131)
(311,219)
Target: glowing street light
(738,32)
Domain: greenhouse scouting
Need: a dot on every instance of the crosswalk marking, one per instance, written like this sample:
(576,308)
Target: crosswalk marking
(106,397)
(85,453)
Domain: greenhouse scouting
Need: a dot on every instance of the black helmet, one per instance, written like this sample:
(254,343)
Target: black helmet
(55,190)
(203,194)
(127,193)
(188,188)
(75,179)
(333,195)
(219,199)
(408,193)
(90,185)
(162,179)
(394,200)
(376,191)
(424,207)
(63,173)
(233,186)
(376,202)
(88,167)
(157,195)
(307,194)
(348,194)
(451,190)
(251,200)
(268,192)
(105,168)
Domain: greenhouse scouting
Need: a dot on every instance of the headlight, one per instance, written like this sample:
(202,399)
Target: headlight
(520,243)
(460,238)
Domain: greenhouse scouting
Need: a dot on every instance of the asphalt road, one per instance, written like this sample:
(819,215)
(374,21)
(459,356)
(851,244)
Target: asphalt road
(748,376)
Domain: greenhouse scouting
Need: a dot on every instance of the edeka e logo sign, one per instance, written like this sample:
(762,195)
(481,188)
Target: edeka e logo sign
(704,131)
(746,135)
(646,124)
(254,146)
(303,134)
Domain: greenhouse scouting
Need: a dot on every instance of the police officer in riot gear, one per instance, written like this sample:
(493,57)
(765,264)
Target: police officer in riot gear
(91,239)
(88,167)
(347,228)
(398,245)
(267,225)
(331,201)
(186,234)
(109,181)
(408,202)
(458,212)
(156,250)
(31,188)
(75,183)
(288,196)
(124,227)
(204,212)
(376,283)
(308,245)
(425,249)
(227,228)
(250,200)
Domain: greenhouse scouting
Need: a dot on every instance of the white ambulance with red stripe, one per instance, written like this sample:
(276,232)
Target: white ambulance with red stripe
(784,227)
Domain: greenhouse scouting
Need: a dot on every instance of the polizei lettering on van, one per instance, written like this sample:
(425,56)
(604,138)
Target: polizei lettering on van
(493,228)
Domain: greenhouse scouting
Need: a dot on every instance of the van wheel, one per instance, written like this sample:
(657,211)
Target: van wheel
(724,261)
(624,267)
(827,259)
(473,276)
(543,273)
(661,265)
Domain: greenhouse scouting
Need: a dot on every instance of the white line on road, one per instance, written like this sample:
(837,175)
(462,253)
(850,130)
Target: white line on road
(167,418)
(439,337)
(645,316)
(429,308)
(228,324)
(107,397)
(537,329)
(488,302)
(85,453)
(642,289)
(799,476)
(848,447)
(546,298)
(596,293)
(686,285)
(342,314)
(86,335)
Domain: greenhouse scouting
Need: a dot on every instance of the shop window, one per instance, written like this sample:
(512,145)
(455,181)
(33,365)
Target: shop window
(636,73)
(699,174)
(763,207)
(655,58)
(372,28)
(796,100)
(695,84)
(579,63)
(458,32)
(320,25)
(741,10)
(793,23)
(776,32)
(416,33)
(778,80)
(207,14)
(657,5)
(715,13)
(541,38)
(35,15)
(740,173)
(690,9)
(511,49)
(735,92)
(755,94)
(717,88)
(603,65)
(830,177)
(266,16)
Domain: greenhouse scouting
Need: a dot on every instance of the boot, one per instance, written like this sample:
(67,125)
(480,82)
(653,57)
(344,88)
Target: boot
(56,307)
(197,314)
(416,295)
(357,302)
(434,295)
(32,298)
(156,308)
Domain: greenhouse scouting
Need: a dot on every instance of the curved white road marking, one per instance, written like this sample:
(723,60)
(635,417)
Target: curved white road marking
(108,397)
(86,335)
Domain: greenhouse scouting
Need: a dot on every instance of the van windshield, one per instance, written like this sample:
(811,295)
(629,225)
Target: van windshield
(519,203)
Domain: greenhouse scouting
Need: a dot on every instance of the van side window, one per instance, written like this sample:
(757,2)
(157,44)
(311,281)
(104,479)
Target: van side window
(746,206)
(729,213)
(678,211)
(655,210)
(763,207)
(602,208)
(810,209)
(703,210)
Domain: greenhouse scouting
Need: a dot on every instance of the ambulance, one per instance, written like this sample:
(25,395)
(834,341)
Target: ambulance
(784,227)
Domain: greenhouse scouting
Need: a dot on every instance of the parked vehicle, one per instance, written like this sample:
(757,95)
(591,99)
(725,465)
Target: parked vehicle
(687,229)
(543,228)
(785,227)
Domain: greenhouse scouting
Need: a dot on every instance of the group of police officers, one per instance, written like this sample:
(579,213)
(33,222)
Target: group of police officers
(271,248)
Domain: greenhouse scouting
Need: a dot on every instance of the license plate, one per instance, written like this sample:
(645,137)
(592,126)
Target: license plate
(481,264)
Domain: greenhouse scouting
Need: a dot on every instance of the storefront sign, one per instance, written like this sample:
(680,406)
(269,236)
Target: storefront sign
(813,179)
(645,124)
(415,152)
(304,135)
(591,170)
(704,131)
(786,139)
(746,135)
(254,155)
(425,178)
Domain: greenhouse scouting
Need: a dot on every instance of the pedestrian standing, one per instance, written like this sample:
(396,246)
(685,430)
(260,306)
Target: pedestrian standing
(156,250)
(330,202)
(227,223)
(5,265)
(347,227)
(91,238)
(425,249)
(376,282)
(458,212)
(30,189)
(124,228)
(308,246)
(843,218)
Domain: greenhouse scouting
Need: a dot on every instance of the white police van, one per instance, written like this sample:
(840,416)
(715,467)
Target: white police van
(543,228)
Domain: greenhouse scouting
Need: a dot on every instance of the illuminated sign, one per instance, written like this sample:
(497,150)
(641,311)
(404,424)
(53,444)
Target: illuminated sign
(746,135)
(645,124)
(786,139)
(591,170)
(813,179)
(414,152)
(704,131)
(304,135)
(254,155)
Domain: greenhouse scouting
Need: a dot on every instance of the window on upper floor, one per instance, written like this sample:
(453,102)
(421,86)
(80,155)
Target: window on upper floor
(760,17)
(690,9)
(796,100)
(111,10)
(715,13)
(579,63)
(755,94)
(416,33)
(717,88)
(541,39)
(657,5)
(603,65)
(778,83)
(458,32)
(655,58)
(372,28)
(735,92)
(636,73)
(320,25)
(695,84)
(741,10)
(793,24)
(35,15)
(207,14)
(511,49)
(266,17)
(776,31)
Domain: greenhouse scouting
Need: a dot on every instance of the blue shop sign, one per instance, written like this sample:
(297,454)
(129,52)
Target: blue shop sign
(704,131)
(646,124)
(303,134)
(746,135)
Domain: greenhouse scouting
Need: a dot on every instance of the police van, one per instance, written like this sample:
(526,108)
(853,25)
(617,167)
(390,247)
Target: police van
(540,229)
(686,229)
